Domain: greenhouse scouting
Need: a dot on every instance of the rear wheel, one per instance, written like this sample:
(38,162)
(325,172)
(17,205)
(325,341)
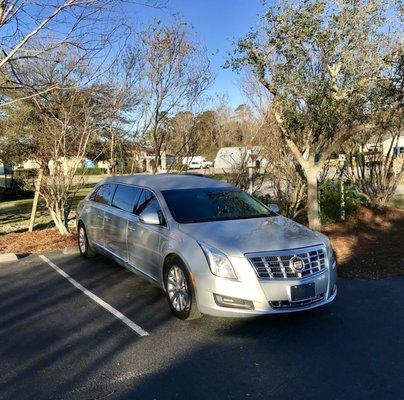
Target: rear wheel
(85,249)
(180,290)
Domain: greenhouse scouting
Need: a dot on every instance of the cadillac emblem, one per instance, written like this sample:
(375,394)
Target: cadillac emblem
(296,263)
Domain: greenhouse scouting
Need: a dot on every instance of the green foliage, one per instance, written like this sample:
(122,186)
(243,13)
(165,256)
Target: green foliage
(91,171)
(397,201)
(321,62)
(330,201)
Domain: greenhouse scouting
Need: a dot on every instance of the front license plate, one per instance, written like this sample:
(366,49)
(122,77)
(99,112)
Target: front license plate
(303,292)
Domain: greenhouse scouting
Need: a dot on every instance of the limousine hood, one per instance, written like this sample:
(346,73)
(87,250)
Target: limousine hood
(236,237)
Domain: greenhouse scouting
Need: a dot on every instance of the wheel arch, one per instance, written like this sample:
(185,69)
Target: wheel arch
(170,256)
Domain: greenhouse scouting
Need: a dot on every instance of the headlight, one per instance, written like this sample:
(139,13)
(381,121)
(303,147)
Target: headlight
(219,264)
(330,253)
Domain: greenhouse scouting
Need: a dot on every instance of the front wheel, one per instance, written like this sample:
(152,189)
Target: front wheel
(84,247)
(180,291)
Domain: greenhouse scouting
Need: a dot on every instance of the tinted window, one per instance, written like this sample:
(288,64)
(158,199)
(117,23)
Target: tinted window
(126,197)
(92,195)
(104,194)
(154,205)
(145,198)
(201,205)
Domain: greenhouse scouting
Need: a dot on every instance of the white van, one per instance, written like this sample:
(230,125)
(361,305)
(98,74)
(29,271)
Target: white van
(196,162)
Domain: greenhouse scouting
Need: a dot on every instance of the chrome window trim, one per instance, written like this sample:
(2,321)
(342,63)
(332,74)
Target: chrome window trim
(133,213)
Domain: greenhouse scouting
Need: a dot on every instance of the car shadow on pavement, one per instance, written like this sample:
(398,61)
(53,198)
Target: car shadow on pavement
(56,343)
(54,340)
(350,349)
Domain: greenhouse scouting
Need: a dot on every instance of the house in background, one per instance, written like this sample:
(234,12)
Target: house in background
(139,159)
(233,157)
(384,146)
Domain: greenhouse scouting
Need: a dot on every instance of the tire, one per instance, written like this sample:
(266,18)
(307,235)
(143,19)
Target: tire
(86,250)
(180,290)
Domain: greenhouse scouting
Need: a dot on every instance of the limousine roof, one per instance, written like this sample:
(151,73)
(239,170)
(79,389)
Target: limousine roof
(168,181)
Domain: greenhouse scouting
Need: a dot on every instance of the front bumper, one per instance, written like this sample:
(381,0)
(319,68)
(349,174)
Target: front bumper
(266,295)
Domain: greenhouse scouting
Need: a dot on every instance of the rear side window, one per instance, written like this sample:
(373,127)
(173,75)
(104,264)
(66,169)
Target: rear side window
(104,194)
(92,195)
(126,197)
(145,198)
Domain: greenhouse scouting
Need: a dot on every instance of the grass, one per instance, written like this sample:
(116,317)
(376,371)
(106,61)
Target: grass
(15,214)
(397,201)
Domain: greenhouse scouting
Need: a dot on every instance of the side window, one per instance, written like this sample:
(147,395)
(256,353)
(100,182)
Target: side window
(94,193)
(104,194)
(144,199)
(154,205)
(126,197)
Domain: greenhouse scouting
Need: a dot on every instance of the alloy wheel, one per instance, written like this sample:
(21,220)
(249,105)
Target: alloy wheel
(177,288)
(82,240)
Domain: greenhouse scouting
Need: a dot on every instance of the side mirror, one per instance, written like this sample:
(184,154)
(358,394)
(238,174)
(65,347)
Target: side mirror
(274,208)
(150,217)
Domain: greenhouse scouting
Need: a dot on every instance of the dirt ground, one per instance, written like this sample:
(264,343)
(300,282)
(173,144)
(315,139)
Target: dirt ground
(370,244)
(40,241)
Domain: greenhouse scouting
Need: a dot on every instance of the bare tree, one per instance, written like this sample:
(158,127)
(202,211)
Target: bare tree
(319,60)
(372,168)
(283,179)
(69,128)
(183,139)
(34,29)
(374,162)
(175,74)
(59,127)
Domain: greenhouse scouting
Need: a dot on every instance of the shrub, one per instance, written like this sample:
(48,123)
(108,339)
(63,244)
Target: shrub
(91,171)
(287,208)
(330,201)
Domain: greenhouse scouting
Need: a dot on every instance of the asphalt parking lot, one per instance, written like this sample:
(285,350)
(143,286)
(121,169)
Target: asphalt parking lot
(56,342)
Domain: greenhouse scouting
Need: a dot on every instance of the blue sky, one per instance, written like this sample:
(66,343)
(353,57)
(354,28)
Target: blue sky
(217,23)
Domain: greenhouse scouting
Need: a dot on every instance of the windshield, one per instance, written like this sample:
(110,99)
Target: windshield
(202,205)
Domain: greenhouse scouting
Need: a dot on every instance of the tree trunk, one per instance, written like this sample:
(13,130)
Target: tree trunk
(36,198)
(313,209)
(111,154)
(59,222)
(311,170)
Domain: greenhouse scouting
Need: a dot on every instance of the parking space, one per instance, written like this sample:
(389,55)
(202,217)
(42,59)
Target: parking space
(57,342)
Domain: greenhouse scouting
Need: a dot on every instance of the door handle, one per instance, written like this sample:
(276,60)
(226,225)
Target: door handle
(132,228)
(100,216)
(108,219)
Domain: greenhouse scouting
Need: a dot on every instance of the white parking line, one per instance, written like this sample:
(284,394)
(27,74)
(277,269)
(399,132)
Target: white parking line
(140,331)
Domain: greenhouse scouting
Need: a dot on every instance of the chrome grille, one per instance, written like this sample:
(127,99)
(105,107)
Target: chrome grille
(279,264)
(291,304)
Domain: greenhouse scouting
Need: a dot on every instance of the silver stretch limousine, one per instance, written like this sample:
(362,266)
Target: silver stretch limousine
(211,247)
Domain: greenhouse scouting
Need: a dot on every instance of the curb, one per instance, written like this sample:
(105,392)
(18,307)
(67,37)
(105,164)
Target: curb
(71,250)
(8,257)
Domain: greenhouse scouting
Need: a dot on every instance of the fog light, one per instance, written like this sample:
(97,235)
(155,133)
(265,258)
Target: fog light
(333,290)
(233,302)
